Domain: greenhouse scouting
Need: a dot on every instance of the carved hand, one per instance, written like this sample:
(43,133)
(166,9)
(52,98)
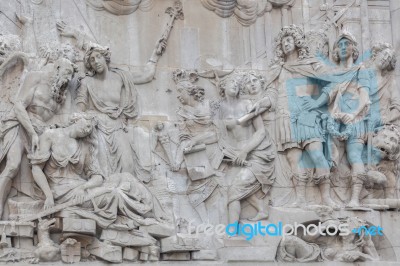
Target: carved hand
(241,159)
(175,167)
(310,104)
(49,203)
(161,45)
(260,106)
(78,194)
(65,29)
(348,118)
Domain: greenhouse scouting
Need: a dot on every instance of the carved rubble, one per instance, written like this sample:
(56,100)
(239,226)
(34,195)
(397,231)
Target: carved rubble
(289,116)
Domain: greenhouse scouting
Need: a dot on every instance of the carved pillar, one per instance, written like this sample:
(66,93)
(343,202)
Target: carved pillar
(285,15)
(268,34)
(306,15)
(395,20)
(365,33)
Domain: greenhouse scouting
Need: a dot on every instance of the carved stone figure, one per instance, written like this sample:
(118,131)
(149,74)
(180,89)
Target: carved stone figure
(46,250)
(110,94)
(248,149)
(298,130)
(320,246)
(349,101)
(198,137)
(41,96)
(66,169)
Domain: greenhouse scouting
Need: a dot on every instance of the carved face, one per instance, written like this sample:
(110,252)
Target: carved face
(82,128)
(253,86)
(184,96)
(231,88)
(97,62)
(386,142)
(345,49)
(8,43)
(288,45)
(383,58)
(68,52)
(65,72)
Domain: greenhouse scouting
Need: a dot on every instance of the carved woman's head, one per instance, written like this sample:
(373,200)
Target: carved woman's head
(345,47)
(231,86)
(187,91)
(383,56)
(97,59)
(289,40)
(253,82)
(81,125)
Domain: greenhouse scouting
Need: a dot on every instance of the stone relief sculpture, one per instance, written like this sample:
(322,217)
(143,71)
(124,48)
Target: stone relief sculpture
(322,247)
(297,130)
(41,95)
(198,141)
(246,12)
(118,7)
(248,148)
(73,185)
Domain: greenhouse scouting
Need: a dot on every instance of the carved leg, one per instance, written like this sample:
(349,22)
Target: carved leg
(390,185)
(260,206)
(11,169)
(300,194)
(299,175)
(356,187)
(202,211)
(325,188)
(234,211)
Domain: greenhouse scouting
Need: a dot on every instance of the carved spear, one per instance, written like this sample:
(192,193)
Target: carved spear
(175,12)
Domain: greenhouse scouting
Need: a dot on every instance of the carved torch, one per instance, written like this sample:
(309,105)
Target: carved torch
(175,12)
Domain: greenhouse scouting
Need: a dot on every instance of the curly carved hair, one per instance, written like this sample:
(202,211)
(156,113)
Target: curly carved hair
(335,54)
(381,46)
(247,77)
(299,40)
(104,51)
(237,78)
(193,90)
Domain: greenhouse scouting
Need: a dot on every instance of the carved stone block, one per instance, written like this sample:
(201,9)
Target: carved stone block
(183,242)
(22,229)
(158,230)
(82,226)
(127,238)
(204,255)
(176,256)
(105,251)
(130,254)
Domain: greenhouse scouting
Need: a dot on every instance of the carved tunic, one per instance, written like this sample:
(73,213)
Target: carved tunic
(295,126)
(118,156)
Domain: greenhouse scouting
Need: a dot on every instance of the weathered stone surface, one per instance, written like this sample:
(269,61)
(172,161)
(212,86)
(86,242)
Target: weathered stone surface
(230,131)
(179,256)
(204,255)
